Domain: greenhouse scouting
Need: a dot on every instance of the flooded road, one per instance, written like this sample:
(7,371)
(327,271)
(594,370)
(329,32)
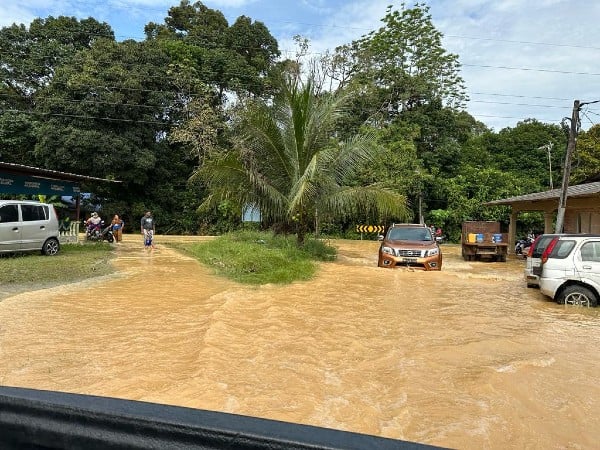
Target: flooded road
(464,358)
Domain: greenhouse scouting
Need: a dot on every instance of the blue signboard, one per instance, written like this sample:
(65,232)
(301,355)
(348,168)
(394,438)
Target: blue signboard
(20,184)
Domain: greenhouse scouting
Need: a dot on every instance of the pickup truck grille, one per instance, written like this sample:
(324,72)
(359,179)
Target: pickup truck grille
(409,253)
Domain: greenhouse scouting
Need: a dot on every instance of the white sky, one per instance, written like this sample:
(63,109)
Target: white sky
(521,59)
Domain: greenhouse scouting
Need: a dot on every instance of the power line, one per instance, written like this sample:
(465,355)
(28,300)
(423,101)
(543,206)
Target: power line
(193,95)
(531,69)
(517,104)
(521,96)
(510,41)
(149,122)
(86,117)
(588,117)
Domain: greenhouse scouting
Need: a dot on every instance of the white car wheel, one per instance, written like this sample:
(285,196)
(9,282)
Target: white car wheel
(577,295)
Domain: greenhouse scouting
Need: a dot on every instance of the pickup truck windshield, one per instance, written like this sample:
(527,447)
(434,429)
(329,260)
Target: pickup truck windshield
(410,234)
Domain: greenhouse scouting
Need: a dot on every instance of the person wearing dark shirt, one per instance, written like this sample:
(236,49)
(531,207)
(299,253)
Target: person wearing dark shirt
(147,228)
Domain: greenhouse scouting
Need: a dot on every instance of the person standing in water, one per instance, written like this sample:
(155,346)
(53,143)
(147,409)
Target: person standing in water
(117,225)
(147,228)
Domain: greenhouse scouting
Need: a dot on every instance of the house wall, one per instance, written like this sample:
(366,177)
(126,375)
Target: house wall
(582,215)
(586,220)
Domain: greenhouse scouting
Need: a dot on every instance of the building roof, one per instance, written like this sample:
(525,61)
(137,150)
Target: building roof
(47,173)
(579,190)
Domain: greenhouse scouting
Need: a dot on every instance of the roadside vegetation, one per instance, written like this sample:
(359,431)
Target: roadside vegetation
(257,258)
(74,262)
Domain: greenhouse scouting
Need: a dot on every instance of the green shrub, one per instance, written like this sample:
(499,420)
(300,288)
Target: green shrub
(254,257)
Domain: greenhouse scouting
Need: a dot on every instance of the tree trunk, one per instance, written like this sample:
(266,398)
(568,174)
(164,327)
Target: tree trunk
(301,230)
(300,236)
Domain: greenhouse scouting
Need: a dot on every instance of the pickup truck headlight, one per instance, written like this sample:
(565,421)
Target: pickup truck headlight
(387,250)
(433,252)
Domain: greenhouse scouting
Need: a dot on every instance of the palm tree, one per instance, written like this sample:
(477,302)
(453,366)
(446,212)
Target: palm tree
(289,163)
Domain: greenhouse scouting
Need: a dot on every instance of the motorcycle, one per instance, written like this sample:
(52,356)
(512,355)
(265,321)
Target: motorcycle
(522,245)
(99,233)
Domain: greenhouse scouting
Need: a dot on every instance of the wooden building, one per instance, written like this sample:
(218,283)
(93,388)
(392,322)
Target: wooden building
(582,212)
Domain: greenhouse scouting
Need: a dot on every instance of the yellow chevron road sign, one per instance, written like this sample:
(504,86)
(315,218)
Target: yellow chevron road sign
(370,228)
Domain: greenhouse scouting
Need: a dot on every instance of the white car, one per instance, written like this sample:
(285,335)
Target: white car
(28,226)
(533,265)
(570,270)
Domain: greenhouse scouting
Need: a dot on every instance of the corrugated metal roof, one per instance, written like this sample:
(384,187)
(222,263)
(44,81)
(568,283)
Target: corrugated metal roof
(30,170)
(579,190)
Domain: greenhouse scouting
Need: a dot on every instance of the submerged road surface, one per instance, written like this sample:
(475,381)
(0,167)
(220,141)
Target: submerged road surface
(464,358)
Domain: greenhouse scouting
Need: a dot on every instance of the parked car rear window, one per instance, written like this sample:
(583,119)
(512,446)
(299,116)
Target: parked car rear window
(540,246)
(9,213)
(33,212)
(562,249)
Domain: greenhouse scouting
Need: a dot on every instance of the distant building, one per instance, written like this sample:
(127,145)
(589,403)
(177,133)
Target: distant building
(582,212)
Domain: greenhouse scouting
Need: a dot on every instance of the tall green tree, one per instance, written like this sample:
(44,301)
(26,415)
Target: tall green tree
(108,114)
(288,162)
(408,84)
(400,67)
(231,58)
(29,58)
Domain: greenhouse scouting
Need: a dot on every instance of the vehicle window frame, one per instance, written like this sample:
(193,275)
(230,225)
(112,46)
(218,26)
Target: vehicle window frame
(9,207)
(595,257)
(34,213)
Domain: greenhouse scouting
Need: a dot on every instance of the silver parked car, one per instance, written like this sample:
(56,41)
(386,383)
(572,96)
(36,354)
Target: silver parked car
(28,226)
(570,269)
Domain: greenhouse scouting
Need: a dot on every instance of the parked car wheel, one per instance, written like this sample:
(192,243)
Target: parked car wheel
(577,295)
(51,247)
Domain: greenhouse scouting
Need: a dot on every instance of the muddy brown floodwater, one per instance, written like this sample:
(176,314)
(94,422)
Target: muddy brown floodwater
(464,358)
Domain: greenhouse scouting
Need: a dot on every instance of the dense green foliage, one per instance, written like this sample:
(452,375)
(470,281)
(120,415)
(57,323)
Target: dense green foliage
(197,114)
(260,258)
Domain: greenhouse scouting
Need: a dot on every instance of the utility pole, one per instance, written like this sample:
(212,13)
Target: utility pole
(573,130)
(420,194)
(548,148)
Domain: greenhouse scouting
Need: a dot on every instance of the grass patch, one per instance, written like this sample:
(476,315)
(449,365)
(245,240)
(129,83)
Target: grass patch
(30,271)
(256,258)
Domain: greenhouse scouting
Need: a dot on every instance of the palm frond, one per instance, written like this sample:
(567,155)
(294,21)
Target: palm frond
(351,201)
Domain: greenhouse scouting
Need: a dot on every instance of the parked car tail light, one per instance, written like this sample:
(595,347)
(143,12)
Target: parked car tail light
(533,244)
(548,250)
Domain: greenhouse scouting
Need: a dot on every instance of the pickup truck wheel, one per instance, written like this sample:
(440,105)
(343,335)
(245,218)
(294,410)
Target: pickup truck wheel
(577,295)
